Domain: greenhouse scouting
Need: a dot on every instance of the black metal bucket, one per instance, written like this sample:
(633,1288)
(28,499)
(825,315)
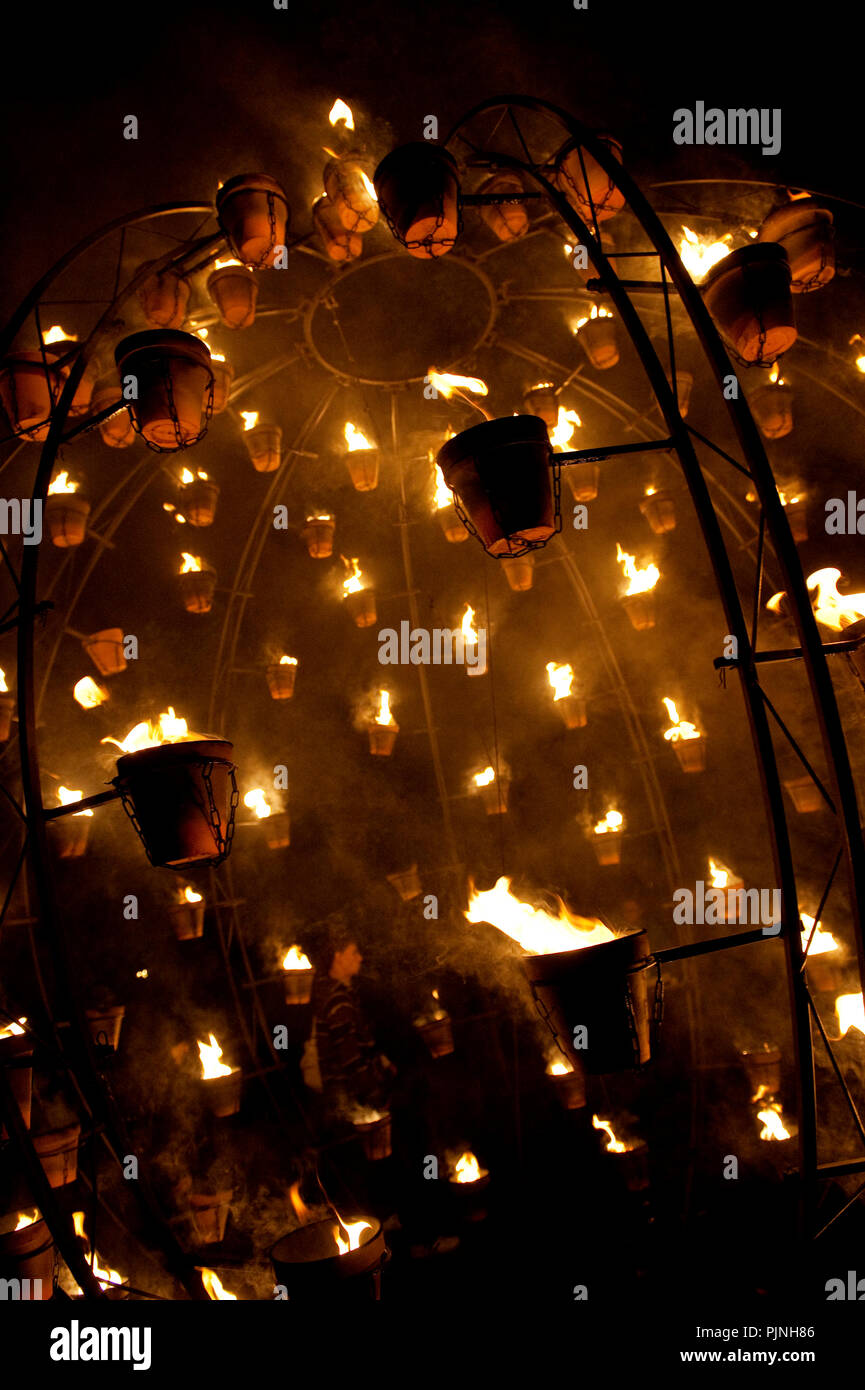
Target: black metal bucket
(500,471)
(181,798)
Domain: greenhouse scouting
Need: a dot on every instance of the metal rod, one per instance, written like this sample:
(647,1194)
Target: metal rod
(707,948)
(73,808)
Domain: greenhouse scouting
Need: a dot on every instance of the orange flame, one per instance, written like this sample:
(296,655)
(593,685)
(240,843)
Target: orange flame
(536,930)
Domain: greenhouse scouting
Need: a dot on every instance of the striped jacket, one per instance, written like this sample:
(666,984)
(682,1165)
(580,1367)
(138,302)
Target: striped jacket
(346,1050)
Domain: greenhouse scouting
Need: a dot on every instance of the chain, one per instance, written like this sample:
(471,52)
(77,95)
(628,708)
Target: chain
(163,361)
(222,841)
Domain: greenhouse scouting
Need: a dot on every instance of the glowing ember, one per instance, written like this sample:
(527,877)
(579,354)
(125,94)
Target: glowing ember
(295,960)
(340,112)
(562,431)
(444,497)
(446,383)
(354,439)
(27,1218)
(189,895)
(536,930)
(211,1067)
(170,729)
(384,715)
(467,1168)
(56,334)
(355,581)
(699,254)
(213,1284)
(773,1125)
(639,581)
(13,1030)
(485,778)
(561,679)
(613,821)
(850,1009)
(679,729)
(88,693)
(250,419)
(61,483)
(821,942)
(598,312)
(615,1146)
(66,798)
(353,1230)
(191,564)
(255,801)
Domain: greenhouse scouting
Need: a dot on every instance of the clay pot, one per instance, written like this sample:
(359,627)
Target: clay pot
(70,835)
(748,295)
(438,1036)
(691,753)
(495,797)
(508,221)
(382,738)
(470,1197)
(520,571)
(208,1212)
(805,230)
(570,1087)
(595,187)
(640,608)
(543,402)
(105,650)
(68,349)
(318,535)
(633,1165)
(253,212)
(264,445)
(58,1154)
(684,386)
(105,1024)
(163,298)
(772,408)
(597,337)
(363,468)
(187,919)
(582,479)
(339,244)
(198,501)
(7,708)
(407,883)
(280,680)
(175,386)
(234,291)
(178,819)
(307,1263)
(196,590)
(572,711)
(28,391)
(826,972)
(659,509)
(797,518)
(726,910)
(117,431)
(763,1069)
(500,471)
(16,1059)
(804,794)
(450,522)
(223,376)
(29,1254)
(376,1138)
(354,203)
(361,606)
(418,193)
(277,830)
(607,847)
(66,516)
(298,986)
(222,1094)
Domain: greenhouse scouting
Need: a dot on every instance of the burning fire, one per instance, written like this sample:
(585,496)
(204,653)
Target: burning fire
(191,564)
(699,254)
(301,1210)
(295,960)
(821,942)
(288,661)
(170,729)
(485,778)
(613,821)
(88,693)
(103,1274)
(62,483)
(850,1009)
(469,634)
(213,1284)
(537,931)
(13,1030)
(4,689)
(355,581)
(189,895)
(561,679)
(27,1218)
(774,378)
(353,1230)
(56,334)
(187,476)
(639,581)
(615,1146)
(66,798)
(720,874)
(773,1125)
(680,728)
(354,439)
(598,312)
(222,265)
(250,419)
(832,609)
(340,112)
(467,1168)
(444,496)
(562,432)
(384,715)
(446,383)
(860,360)
(255,801)
(559,1066)
(211,1067)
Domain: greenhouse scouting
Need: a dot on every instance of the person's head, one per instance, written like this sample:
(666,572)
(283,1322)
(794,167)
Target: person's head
(346,961)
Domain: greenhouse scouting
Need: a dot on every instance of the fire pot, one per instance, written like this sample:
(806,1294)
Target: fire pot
(748,295)
(684,387)
(196,589)
(586,185)
(187,920)
(495,797)
(105,649)
(607,847)
(29,1254)
(318,536)
(604,990)
(418,192)
(543,402)
(363,468)
(597,338)
(163,297)
(234,292)
(253,213)
(806,232)
(222,1093)
(308,1264)
(117,431)
(691,753)
(105,1025)
(28,389)
(16,1059)
(633,1166)
(570,1087)
(339,243)
(298,986)
(175,386)
(508,221)
(71,834)
(438,1036)
(208,1212)
(763,1069)
(66,516)
(280,679)
(826,972)
(640,608)
(772,408)
(453,527)
(582,479)
(182,798)
(797,518)
(264,446)
(361,606)
(851,634)
(572,710)
(469,1198)
(375,1135)
(519,571)
(223,376)
(500,471)
(277,830)
(407,883)
(804,793)
(7,708)
(346,186)
(659,509)
(198,501)
(382,738)
(58,1153)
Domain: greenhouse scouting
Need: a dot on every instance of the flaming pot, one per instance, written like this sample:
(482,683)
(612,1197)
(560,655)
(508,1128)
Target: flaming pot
(691,753)
(772,408)
(7,706)
(318,535)
(179,796)
(519,570)
(375,1135)
(117,431)
(543,402)
(509,221)
(298,986)
(826,972)
(633,1165)
(572,710)
(252,210)
(583,479)
(363,468)
(495,796)
(640,608)
(196,589)
(105,1024)
(472,1205)
(339,243)
(608,847)
(308,1264)
(264,445)
(797,518)
(659,509)
(277,830)
(603,988)
(570,1087)
(28,390)
(71,835)
(280,680)
(418,192)
(222,1093)
(198,501)
(175,386)
(407,883)
(806,232)
(596,185)
(500,471)
(361,606)
(163,298)
(763,1069)
(234,291)
(223,376)
(16,1059)
(58,1154)
(105,650)
(208,1212)
(805,794)
(748,295)
(449,518)
(382,738)
(438,1036)
(66,516)
(344,186)
(187,919)
(598,339)
(724,911)
(29,1254)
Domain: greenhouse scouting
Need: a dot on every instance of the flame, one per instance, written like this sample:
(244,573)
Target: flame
(301,1210)
(250,419)
(288,661)
(559,1067)
(211,1067)
(536,930)
(102,1272)
(62,483)
(680,728)
(340,112)
(355,581)
(66,797)
(444,496)
(699,254)
(88,693)
(354,439)
(615,1146)
(832,609)
(613,821)
(27,1218)
(170,729)
(640,581)
(13,1030)
(4,689)
(255,801)
(353,1230)
(860,360)
(369,186)
(295,959)
(221,265)
(569,250)
(773,1125)
(562,432)
(384,715)
(191,564)
(213,1284)
(467,1168)
(785,500)
(319,516)
(561,679)
(822,942)
(598,312)
(468,630)
(189,895)
(720,874)
(446,383)
(56,334)
(485,778)
(850,1009)
(774,378)
(650,491)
